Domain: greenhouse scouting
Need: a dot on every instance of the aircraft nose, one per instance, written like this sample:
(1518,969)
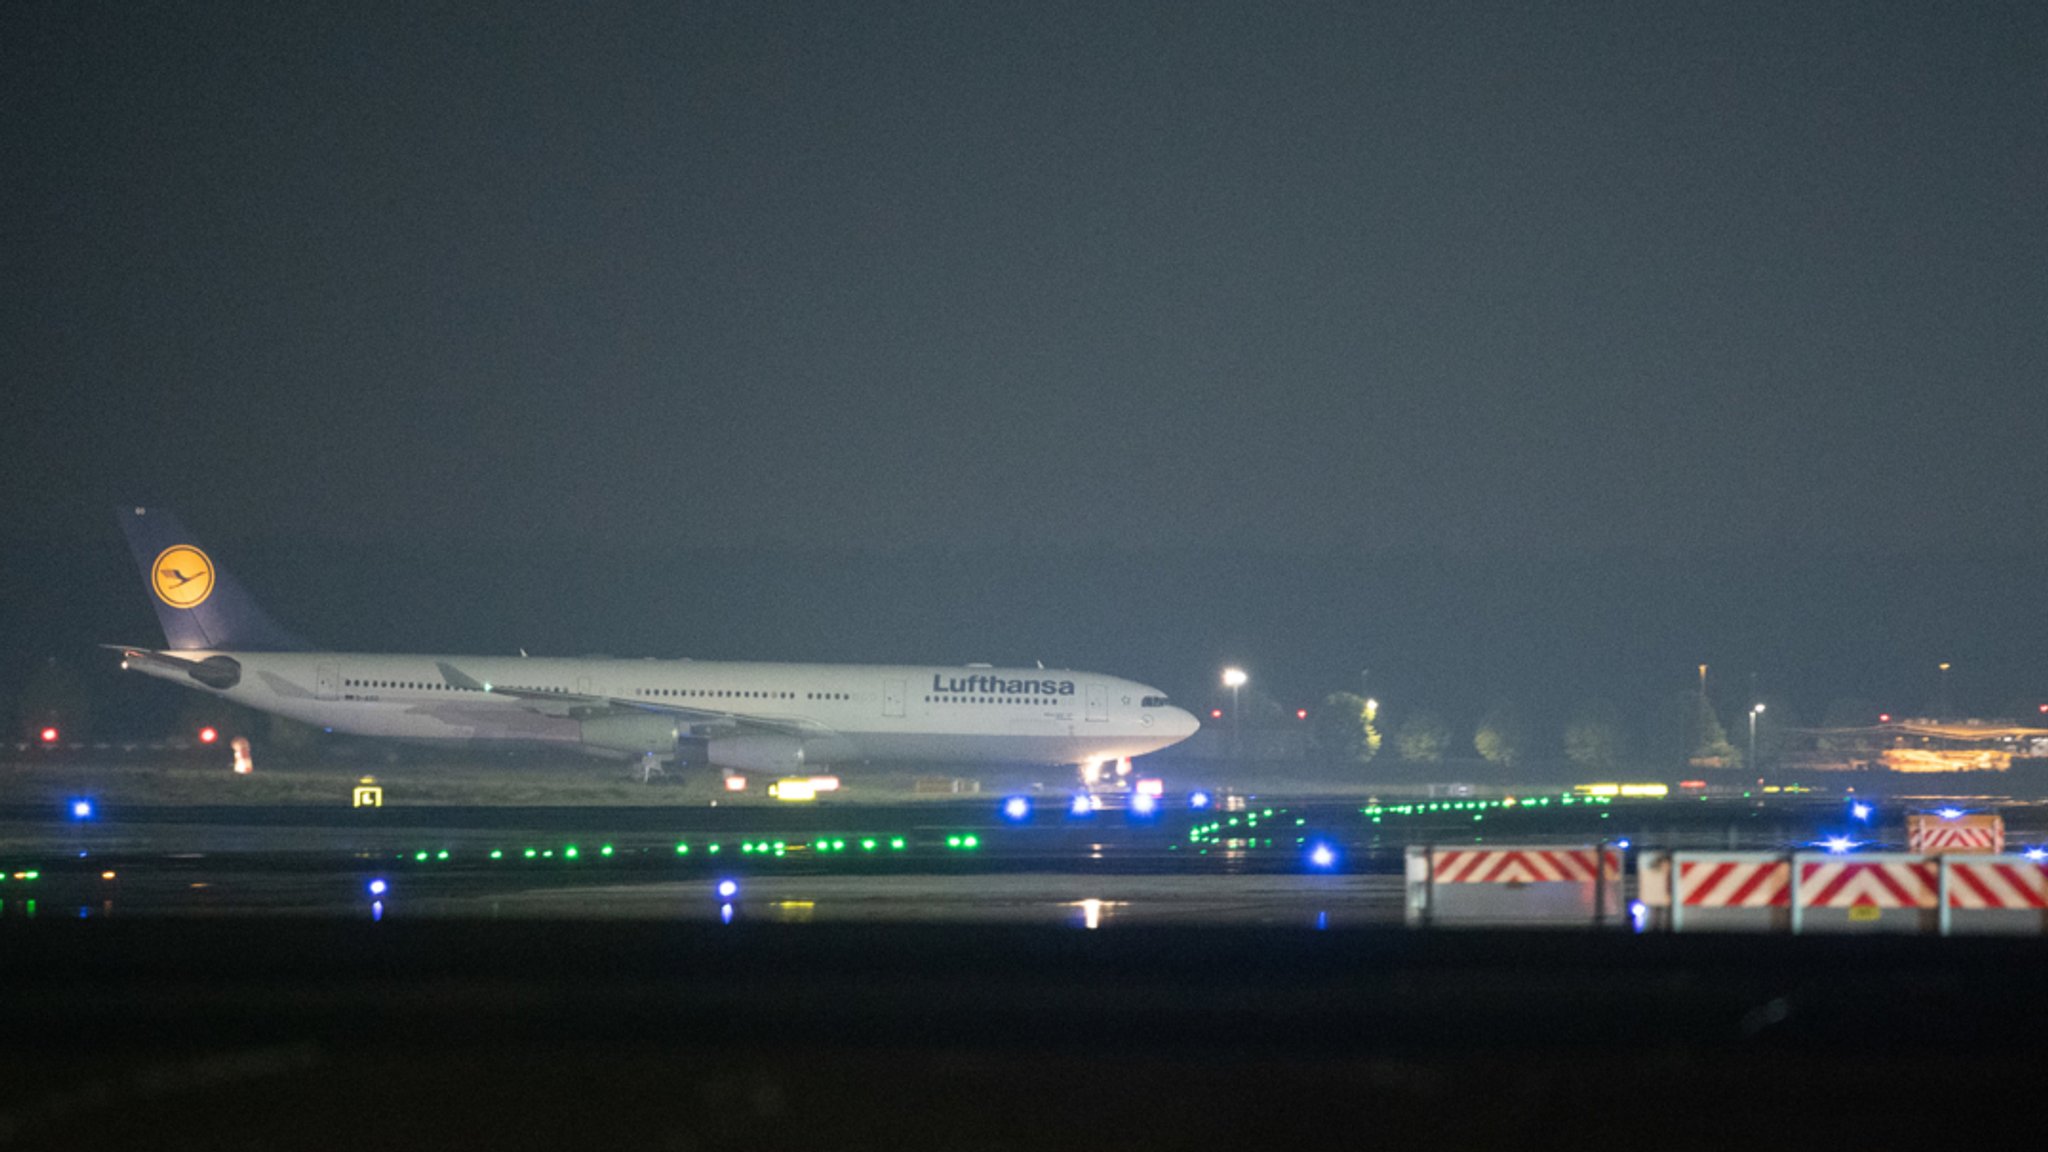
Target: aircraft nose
(1184,723)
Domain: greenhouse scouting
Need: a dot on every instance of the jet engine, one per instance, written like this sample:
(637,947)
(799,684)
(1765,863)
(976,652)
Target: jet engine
(633,733)
(757,753)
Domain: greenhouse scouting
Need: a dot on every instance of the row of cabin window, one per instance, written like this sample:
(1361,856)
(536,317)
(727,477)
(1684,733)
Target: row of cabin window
(729,693)
(1030,700)
(415,685)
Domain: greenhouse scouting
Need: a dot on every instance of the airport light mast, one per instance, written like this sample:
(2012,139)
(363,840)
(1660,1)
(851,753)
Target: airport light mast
(1234,679)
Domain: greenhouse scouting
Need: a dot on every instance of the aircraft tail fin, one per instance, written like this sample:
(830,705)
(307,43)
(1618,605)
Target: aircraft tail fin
(198,603)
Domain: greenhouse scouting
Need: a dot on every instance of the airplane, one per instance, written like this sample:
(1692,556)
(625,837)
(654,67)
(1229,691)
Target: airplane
(737,717)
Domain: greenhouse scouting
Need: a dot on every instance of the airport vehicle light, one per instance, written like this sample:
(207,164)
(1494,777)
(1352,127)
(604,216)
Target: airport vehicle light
(1950,813)
(2037,854)
(727,889)
(1860,811)
(81,809)
(1080,806)
(49,735)
(1321,855)
(1199,800)
(378,887)
(1017,808)
(1144,804)
(1838,844)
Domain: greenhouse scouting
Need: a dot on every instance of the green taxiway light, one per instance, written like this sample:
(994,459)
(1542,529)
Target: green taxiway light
(713,849)
(419,855)
(605,851)
(682,849)
(868,845)
(549,854)
(570,852)
(971,842)
(747,847)
(531,853)
(897,844)
(497,853)
(952,841)
(441,855)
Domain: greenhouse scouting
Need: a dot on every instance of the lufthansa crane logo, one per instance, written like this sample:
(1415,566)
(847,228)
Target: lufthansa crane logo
(182,576)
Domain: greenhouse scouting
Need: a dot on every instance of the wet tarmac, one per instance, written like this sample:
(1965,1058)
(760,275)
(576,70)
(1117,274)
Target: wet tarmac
(1239,861)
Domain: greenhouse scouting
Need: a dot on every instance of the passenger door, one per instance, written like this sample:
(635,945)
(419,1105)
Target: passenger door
(326,683)
(1098,702)
(892,698)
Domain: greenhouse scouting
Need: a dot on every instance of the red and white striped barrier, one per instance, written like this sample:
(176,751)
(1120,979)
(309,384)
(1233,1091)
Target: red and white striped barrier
(1521,865)
(1850,883)
(1518,885)
(1927,834)
(1816,892)
(1734,883)
(2006,884)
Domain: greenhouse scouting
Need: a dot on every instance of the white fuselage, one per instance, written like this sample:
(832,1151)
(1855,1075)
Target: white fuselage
(846,713)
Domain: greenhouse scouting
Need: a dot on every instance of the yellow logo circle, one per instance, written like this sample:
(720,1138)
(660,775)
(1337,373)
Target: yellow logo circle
(182,576)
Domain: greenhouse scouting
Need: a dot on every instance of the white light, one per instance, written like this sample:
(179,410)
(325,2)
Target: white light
(727,889)
(1950,813)
(1860,811)
(1234,678)
(1198,799)
(1091,913)
(1759,710)
(377,887)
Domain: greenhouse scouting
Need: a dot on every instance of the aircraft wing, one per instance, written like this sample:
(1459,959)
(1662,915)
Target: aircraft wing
(582,705)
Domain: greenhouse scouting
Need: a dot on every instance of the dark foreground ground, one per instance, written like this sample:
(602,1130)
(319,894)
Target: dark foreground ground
(313,1033)
(186,977)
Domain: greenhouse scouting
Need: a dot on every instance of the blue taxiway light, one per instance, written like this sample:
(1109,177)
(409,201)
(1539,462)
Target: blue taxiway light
(1080,806)
(727,889)
(81,809)
(1144,804)
(1321,855)
(1017,808)
(378,887)
(1860,811)
(1198,800)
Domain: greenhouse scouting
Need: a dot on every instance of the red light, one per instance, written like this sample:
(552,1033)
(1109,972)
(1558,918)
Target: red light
(2044,709)
(1884,717)
(49,735)
(207,735)
(1301,713)
(1692,783)
(1215,713)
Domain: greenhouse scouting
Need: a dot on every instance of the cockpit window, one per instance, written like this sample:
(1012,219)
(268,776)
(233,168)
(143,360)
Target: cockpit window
(1153,702)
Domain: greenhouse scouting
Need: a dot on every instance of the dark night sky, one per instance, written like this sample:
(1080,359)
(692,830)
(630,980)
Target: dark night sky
(1722,306)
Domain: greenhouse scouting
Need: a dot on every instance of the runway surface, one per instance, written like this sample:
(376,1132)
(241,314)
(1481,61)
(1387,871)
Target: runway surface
(1246,860)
